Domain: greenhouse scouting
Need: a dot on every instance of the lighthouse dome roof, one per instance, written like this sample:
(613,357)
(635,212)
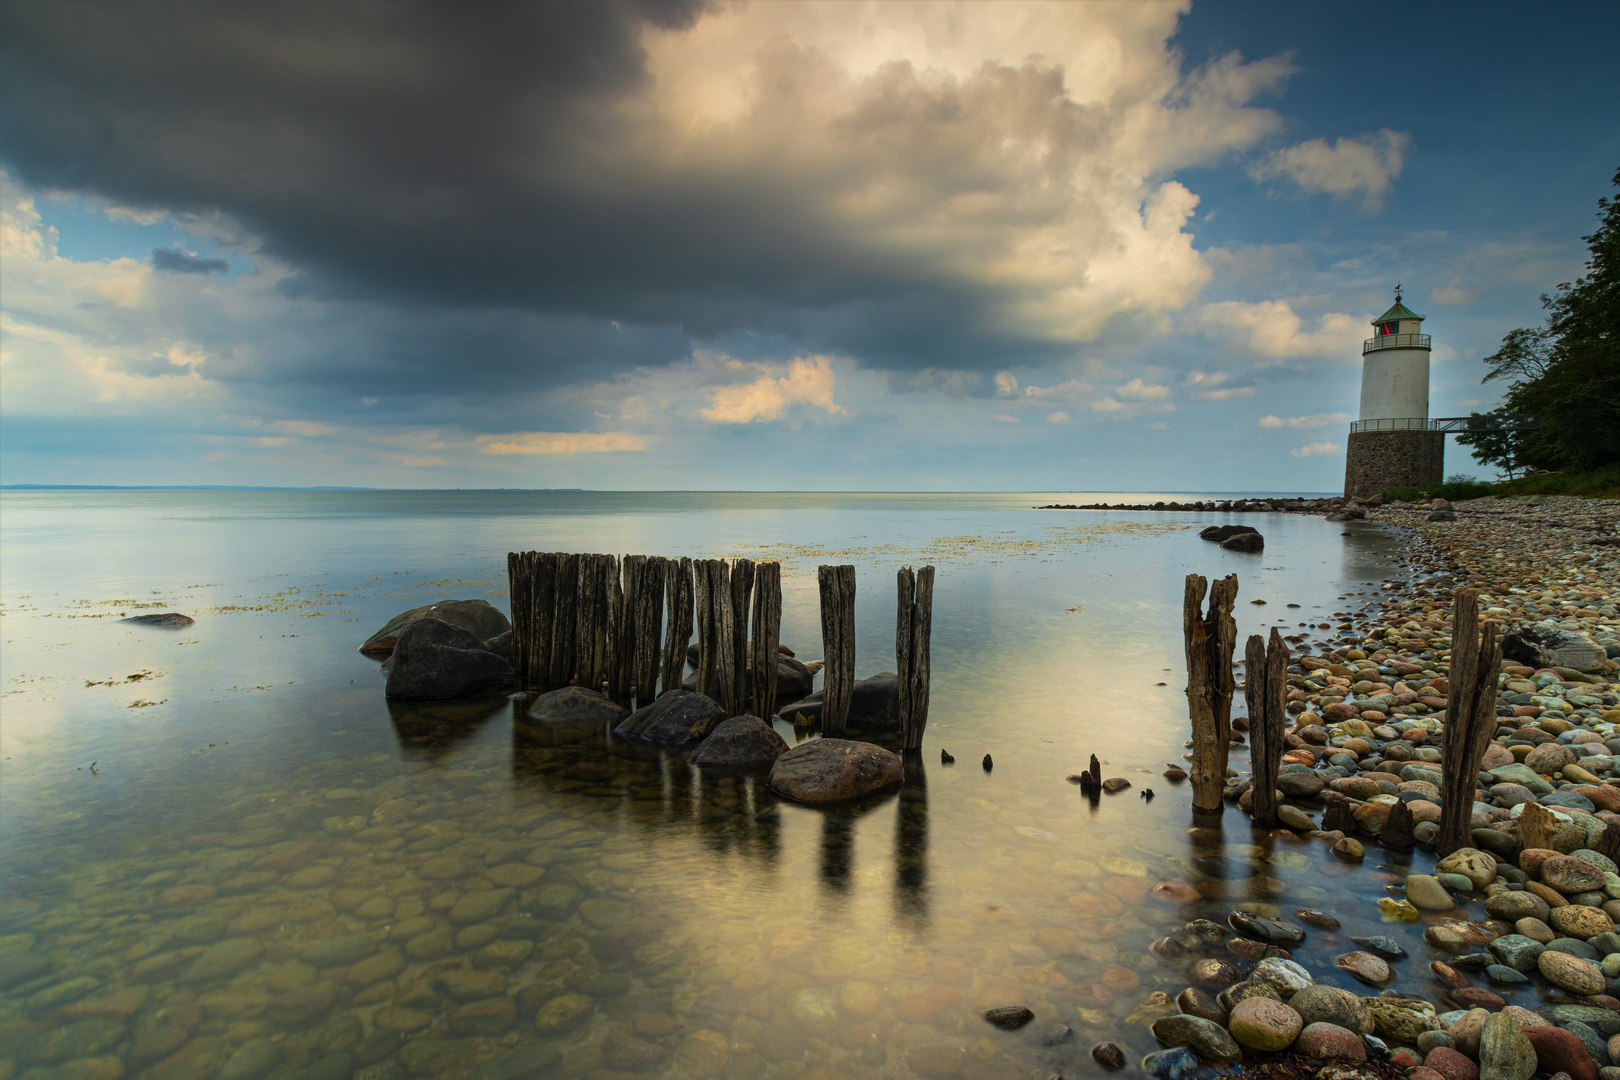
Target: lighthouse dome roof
(1399,311)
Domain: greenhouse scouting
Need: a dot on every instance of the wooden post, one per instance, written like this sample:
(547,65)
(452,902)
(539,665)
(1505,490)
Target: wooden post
(1265,691)
(703,581)
(1396,835)
(594,612)
(838,645)
(520,599)
(606,578)
(649,620)
(1210,640)
(543,613)
(724,685)
(1337,817)
(623,636)
(767,636)
(913,628)
(740,599)
(678,593)
(1476,657)
(564,640)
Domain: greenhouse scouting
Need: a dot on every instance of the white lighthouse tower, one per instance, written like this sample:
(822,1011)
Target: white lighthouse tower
(1393,443)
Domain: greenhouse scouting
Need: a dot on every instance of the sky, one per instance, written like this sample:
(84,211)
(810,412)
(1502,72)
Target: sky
(637,244)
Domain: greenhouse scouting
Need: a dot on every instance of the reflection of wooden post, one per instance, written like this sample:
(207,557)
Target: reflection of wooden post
(649,620)
(520,599)
(1265,691)
(678,593)
(913,627)
(1210,640)
(838,645)
(621,630)
(742,591)
(767,636)
(564,640)
(1476,657)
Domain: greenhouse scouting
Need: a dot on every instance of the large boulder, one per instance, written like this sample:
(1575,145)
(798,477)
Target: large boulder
(1543,645)
(873,703)
(834,770)
(573,704)
(742,740)
(432,659)
(674,719)
(1222,533)
(1246,541)
(478,617)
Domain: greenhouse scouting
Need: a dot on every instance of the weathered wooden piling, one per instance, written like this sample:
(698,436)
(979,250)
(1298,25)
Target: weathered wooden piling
(520,599)
(1265,692)
(621,633)
(712,589)
(1397,835)
(838,645)
(913,628)
(542,614)
(647,588)
(565,624)
(1210,639)
(767,636)
(1476,657)
(1336,815)
(735,637)
(678,634)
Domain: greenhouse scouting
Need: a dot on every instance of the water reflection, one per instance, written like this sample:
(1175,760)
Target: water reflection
(911,843)
(430,730)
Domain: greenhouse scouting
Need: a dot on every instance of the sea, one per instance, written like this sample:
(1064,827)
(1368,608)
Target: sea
(225,853)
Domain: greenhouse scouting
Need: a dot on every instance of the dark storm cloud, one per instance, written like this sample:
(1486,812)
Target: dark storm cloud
(178,262)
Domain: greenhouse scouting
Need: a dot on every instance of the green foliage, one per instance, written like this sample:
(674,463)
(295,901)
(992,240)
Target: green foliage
(1566,376)
(1456,488)
(1601,483)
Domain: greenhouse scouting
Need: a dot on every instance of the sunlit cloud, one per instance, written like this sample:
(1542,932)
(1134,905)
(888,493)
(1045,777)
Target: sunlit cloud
(808,381)
(1316,449)
(1314,421)
(1361,167)
(564,442)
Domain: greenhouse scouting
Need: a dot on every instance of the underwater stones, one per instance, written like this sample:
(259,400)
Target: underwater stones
(1195,1002)
(923,1006)
(1263,1024)
(1105,1054)
(1176,1063)
(1203,1037)
(873,703)
(1457,936)
(221,959)
(1008,1017)
(1365,966)
(1278,932)
(563,1012)
(834,770)
(674,719)
(1517,951)
(1331,1005)
(575,704)
(480,618)
(433,660)
(479,906)
(740,741)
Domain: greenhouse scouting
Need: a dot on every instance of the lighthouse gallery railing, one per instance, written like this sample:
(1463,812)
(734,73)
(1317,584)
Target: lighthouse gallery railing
(1395,341)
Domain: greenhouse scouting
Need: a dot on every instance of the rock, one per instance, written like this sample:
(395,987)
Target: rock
(575,704)
(939,1062)
(1331,1005)
(1570,875)
(1366,967)
(1174,1064)
(1504,1051)
(1475,865)
(874,702)
(1278,932)
(1571,973)
(1401,1020)
(1581,921)
(1195,1002)
(834,770)
(1323,1041)
(1009,1017)
(478,617)
(1221,533)
(1541,645)
(1284,976)
(1425,893)
(1513,906)
(1262,1024)
(1441,515)
(674,719)
(1560,1051)
(563,1012)
(1517,951)
(1388,948)
(1450,1064)
(1203,1037)
(1105,1054)
(168,620)
(742,740)
(1301,785)
(1249,542)
(432,659)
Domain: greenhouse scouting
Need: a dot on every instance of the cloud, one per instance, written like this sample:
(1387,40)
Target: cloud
(1272,331)
(1137,390)
(1314,421)
(1005,383)
(1453,293)
(1003,418)
(809,381)
(180,262)
(1057,418)
(1354,167)
(561,442)
(1316,449)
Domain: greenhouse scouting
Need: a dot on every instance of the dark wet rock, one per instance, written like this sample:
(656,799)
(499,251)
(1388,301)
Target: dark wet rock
(1249,542)
(478,617)
(433,659)
(1110,1056)
(834,770)
(742,740)
(874,703)
(500,645)
(1221,533)
(575,704)
(1271,931)
(794,681)
(1604,1022)
(1387,947)
(1203,1037)
(1010,1017)
(1502,975)
(1195,1002)
(1560,1051)
(1541,645)
(674,719)
(1176,1063)
(168,620)
(1319,919)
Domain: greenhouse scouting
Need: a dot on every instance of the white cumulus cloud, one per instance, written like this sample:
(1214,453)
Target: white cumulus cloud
(808,381)
(1314,421)
(1272,331)
(1315,449)
(1358,167)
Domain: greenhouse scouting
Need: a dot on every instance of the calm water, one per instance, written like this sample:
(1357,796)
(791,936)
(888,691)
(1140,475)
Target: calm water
(227,855)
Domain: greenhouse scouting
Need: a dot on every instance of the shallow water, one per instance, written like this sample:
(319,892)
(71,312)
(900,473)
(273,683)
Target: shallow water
(227,855)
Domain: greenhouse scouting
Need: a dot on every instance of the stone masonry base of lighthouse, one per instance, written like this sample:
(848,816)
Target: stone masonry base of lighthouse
(1376,461)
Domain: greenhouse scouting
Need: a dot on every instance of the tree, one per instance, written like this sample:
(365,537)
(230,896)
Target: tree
(1567,375)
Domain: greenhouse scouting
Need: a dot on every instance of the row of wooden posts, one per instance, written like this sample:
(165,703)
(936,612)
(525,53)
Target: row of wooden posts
(595,621)
(1211,637)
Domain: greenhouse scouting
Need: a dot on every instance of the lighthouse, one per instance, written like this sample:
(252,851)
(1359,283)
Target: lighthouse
(1393,443)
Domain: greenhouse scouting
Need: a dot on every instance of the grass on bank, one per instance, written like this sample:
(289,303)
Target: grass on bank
(1602,483)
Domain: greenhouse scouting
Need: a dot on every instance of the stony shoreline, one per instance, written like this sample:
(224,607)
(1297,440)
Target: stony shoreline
(1532,906)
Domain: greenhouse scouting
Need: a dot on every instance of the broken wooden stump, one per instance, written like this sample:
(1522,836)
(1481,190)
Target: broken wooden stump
(913,630)
(837,585)
(1265,691)
(1210,639)
(766,639)
(1476,657)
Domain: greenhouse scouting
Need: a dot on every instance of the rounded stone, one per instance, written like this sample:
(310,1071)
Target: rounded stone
(1425,892)
(1203,1037)
(1370,969)
(1324,1041)
(1569,875)
(1450,1064)
(703,1053)
(1580,921)
(1331,1005)
(563,1012)
(1571,973)
(1262,1024)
